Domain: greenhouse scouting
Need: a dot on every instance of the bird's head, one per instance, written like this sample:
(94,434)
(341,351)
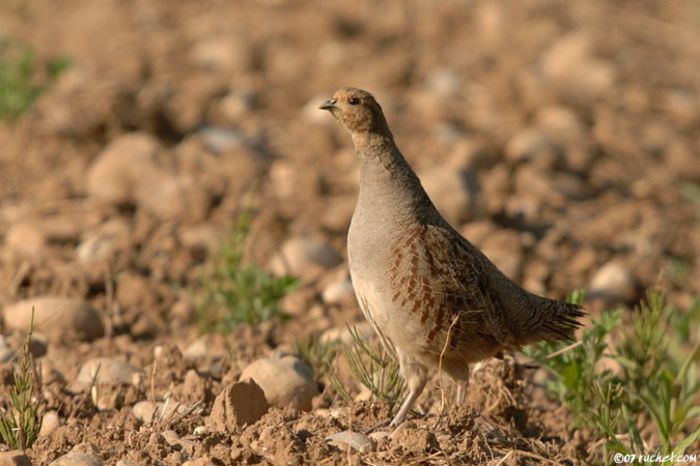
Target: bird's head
(357,111)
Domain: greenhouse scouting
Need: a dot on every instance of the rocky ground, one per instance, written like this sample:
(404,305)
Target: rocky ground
(560,137)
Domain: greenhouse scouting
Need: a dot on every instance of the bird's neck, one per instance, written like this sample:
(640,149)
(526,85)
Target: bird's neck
(386,178)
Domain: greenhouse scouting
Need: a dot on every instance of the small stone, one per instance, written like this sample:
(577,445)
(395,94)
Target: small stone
(108,371)
(49,423)
(571,64)
(532,145)
(454,190)
(379,435)
(338,291)
(236,105)
(221,54)
(286,380)
(38,346)
(444,83)
(503,248)
(26,239)
(338,213)
(218,140)
(116,172)
(355,440)
(613,283)
(82,454)
(145,411)
(58,319)
(304,256)
(197,350)
(240,404)
(14,458)
(202,461)
(105,242)
(7,354)
(342,334)
(170,437)
(200,431)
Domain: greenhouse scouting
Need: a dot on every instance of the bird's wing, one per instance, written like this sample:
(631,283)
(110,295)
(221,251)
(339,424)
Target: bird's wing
(444,279)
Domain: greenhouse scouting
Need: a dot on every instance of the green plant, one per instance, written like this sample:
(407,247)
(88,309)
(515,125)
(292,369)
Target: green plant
(654,391)
(372,367)
(18,84)
(234,293)
(319,355)
(20,421)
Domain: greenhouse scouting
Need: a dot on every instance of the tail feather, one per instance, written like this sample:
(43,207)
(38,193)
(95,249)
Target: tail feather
(556,321)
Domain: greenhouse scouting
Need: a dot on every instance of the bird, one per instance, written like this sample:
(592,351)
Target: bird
(433,298)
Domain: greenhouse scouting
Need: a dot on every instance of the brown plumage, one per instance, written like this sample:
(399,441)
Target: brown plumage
(417,280)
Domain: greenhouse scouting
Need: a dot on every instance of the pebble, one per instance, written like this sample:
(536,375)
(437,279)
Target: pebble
(532,145)
(108,371)
(614,283)
(27,239)
(379,435)
(444,83)
(57,318)
(202,461)
(286,380)
(14,458)
(454,190)
(49,423)
(338,291)
(218,140)
(304,256)
(220,54)
(7,354)
(236,105)
(197,350)
(145,411)
(82,454)
(342,334)
(104,242)
(570,62)
(114,175)
(355,440)
(239,404)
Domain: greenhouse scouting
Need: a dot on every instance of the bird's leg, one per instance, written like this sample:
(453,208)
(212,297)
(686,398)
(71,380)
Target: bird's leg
(461,391)
(415,376)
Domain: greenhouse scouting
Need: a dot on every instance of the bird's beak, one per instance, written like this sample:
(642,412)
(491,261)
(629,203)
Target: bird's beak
(329,105)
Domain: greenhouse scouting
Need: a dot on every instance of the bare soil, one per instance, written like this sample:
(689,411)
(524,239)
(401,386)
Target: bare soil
(579,122)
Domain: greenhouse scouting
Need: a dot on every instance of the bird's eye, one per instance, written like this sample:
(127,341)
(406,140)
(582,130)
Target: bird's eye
(353,101)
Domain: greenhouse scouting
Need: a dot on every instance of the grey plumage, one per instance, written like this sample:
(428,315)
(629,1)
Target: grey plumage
(418,280)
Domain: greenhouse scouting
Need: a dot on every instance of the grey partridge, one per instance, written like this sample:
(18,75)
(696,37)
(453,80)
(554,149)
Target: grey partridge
(417,280)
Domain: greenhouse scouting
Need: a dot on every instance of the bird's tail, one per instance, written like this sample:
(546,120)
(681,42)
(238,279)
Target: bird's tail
(555,321)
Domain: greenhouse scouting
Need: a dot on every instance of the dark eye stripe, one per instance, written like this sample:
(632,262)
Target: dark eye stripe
(353,101)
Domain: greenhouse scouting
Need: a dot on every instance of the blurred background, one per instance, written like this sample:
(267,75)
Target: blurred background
(562,138)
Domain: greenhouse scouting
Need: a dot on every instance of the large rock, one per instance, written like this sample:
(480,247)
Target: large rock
(57,318)
(286,380)
(240,404)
